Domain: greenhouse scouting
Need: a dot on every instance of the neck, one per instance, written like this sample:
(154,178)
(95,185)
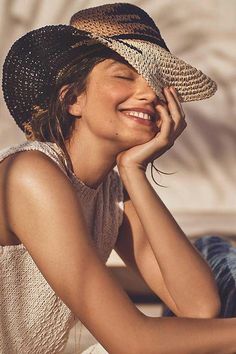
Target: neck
(92,159)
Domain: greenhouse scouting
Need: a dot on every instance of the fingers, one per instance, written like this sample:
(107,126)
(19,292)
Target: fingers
(165,123)
(173,118)
(175,94)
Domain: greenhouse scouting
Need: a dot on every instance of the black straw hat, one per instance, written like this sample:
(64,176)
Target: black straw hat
(34,62)
(32,66)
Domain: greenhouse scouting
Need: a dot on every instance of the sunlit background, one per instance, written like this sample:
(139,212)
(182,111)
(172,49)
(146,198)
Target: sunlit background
(202,192)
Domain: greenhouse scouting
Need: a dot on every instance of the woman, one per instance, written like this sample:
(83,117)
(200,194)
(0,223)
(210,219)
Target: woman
(90,96)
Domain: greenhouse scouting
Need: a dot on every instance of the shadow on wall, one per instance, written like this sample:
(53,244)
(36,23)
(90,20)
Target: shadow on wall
(203,138)
(203,162)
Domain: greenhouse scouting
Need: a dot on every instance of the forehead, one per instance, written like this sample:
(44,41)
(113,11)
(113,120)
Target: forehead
(112,64)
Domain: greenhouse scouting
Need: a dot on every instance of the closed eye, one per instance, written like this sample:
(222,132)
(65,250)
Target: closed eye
(125,77)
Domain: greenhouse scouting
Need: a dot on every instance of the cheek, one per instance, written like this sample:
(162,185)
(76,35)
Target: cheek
(110,93)
(103,99)
(102,103)
(133,138)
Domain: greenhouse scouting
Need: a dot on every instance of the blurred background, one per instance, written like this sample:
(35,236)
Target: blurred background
(202,192)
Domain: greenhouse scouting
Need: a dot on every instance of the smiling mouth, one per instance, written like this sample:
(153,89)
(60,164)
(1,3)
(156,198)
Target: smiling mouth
(140,115)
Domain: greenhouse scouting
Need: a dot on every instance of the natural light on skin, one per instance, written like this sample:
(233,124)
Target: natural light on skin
(112,88)
(103,129)
(126,72)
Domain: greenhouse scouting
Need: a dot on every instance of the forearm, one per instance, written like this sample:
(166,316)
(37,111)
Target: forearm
(187,276)
(171,335)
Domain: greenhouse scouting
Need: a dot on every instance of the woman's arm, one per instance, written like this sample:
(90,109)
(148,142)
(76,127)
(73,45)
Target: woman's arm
(135,250)
(186,274)
(46,215)
(44,212)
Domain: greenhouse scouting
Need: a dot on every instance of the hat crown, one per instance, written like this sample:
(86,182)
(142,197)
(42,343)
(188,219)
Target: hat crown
(119,20)
(33,64)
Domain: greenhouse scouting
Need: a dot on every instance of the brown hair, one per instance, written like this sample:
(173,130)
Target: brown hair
(56,124)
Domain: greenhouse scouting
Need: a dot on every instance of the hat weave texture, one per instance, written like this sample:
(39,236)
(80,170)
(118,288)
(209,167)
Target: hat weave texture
(119,20)
(32,65)
(160,68)
(35,61)
(134,35)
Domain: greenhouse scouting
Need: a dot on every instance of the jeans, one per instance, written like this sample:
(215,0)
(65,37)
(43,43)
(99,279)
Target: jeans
(221,257)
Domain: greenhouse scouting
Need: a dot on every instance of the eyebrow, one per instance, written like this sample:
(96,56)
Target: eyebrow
(115,63)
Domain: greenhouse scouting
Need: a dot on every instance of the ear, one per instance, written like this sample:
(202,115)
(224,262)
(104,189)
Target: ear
(75,108)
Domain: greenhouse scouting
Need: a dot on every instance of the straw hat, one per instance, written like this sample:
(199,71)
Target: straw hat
(35,61)
(132,33)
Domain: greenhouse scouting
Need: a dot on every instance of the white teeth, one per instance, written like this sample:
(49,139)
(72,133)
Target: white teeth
(139,115)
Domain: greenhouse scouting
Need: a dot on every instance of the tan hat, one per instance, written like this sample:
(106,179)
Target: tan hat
(130,31)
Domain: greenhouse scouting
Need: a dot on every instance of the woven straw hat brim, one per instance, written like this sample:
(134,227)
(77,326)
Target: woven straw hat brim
(160,68)
(132,33)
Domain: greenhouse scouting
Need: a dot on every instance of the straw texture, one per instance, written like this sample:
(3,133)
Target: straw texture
(35,61)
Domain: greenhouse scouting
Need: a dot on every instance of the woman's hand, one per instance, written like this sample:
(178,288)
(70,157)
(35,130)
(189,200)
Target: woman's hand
(171,124)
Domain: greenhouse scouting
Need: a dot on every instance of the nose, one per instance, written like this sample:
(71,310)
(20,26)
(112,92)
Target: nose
(144,92)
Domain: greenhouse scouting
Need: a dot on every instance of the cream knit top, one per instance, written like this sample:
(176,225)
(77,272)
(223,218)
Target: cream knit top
(33,319)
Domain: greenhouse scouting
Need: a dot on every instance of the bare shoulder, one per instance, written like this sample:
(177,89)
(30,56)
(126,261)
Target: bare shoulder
(45,213)
(36,184)
(26,165)
(33,174)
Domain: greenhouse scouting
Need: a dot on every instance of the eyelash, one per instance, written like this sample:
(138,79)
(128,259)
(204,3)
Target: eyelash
(124,77)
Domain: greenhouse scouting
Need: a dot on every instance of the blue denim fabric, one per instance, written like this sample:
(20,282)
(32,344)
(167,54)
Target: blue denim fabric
(221,257)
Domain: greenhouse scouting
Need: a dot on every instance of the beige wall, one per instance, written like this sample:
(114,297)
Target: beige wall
(202,193)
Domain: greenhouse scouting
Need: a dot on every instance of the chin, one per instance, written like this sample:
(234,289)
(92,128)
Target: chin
(140,141)
(145,138)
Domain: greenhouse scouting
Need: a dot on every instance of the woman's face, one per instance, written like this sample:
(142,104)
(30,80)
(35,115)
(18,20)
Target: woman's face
(115,96)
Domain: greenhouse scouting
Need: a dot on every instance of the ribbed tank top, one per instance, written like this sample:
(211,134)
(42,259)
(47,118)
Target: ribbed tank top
(33,319)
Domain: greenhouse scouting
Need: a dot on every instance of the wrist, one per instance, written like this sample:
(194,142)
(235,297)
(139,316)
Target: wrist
(130,169)
(131,173)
